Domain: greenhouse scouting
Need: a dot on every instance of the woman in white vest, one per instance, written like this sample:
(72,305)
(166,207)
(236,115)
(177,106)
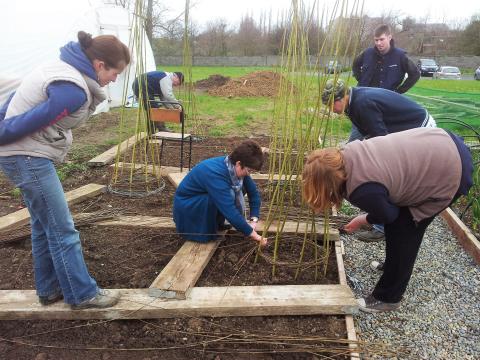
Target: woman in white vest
(35,132)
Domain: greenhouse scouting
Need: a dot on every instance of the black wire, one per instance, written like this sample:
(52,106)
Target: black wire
(458,122)
(451,120)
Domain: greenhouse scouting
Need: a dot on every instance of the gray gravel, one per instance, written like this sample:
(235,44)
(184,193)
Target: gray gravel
(440,314)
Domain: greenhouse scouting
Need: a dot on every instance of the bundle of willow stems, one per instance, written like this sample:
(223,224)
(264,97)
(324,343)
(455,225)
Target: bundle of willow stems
(300,123)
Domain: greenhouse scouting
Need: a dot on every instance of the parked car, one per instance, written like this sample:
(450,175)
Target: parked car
(476,76)
(427,67)
(448,72)
(333,66)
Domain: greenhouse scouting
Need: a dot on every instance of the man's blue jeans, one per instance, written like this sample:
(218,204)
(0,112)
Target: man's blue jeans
(56,249)
(355,134)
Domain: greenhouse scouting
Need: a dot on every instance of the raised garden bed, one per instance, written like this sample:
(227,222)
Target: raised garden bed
(131,257)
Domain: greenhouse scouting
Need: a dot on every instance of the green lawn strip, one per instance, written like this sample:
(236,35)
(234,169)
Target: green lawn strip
(444,99)
(450,100)
(235,116)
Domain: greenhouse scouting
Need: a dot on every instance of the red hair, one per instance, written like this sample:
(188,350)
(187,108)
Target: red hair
(324,178)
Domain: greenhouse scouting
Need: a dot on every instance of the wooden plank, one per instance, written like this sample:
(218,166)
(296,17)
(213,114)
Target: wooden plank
(158,170)
(341,268)
(276,177)
(267,150)
(165,170)
(293,227)
(111,153)
(176,177)
(139,220)
(165,222)
(202,301)
(352,336)
(22,217)
(170,135)
(183,270)
(349,323)
(84,192)
(463,234)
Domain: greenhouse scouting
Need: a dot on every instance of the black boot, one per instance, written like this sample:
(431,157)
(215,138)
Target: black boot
(161,127)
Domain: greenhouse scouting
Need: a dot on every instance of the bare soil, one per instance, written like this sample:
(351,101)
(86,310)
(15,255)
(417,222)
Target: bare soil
(258,83)
(131,257)
(212,81)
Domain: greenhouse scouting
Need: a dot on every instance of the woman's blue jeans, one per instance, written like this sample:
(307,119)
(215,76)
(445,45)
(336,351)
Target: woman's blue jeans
(56,249)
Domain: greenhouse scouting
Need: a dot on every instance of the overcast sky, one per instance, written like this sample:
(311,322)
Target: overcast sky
(451,12)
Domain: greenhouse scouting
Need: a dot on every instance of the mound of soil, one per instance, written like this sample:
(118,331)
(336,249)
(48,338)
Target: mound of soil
(258,83)
(212,81)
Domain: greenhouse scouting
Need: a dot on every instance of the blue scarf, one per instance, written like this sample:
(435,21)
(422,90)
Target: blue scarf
(73,55)
(237,186)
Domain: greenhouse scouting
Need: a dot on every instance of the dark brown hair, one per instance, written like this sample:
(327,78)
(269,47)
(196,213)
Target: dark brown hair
(106,48)
(249,153)
(382,29)
(323,179)
(180,76)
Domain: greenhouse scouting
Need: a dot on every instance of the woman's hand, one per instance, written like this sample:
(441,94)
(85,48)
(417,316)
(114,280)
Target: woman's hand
(253,224)
(356,223)
(261,240)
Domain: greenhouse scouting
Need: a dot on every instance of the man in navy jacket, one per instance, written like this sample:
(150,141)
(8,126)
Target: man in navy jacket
(385,65)
(375,112)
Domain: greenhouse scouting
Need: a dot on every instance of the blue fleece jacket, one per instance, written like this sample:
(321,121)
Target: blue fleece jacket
(378,112)
(64,98)
(205,196)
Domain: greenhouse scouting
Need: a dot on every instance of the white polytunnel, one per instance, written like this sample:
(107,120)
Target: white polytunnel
(33,32)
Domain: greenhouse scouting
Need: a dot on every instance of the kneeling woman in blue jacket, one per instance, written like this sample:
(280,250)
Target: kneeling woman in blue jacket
(214,191)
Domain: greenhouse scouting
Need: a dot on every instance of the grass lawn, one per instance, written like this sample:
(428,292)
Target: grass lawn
(235,116)
(446,100)
(450,100)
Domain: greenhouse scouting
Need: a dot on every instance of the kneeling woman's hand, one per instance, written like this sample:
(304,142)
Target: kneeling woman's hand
(356,223)
(261,240)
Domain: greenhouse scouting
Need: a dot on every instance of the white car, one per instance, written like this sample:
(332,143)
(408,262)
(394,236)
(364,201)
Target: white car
(476,76)
(448,72)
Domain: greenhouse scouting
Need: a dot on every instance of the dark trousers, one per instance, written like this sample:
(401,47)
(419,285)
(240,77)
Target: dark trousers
(152,126)
(403,238)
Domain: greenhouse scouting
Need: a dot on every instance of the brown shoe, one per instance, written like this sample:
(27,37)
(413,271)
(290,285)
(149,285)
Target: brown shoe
(372,305)
(164,129)
(377,265)
(160,126)
(103,299)
(370,236)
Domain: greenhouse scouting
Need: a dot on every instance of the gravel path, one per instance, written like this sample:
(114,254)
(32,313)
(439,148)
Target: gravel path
(440,314)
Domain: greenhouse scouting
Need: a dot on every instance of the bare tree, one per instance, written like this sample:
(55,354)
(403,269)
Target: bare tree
(149,21)
(124,3)
(248,38)
(213,41)
(468,40)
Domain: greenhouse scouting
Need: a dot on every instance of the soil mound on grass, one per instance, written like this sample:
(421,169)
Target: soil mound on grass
(258,83)
(212,81)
